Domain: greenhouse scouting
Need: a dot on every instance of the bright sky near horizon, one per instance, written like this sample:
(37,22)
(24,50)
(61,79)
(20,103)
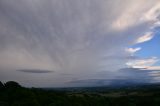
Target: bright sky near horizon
(62,43)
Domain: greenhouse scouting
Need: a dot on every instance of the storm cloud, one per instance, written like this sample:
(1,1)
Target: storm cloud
(82,38)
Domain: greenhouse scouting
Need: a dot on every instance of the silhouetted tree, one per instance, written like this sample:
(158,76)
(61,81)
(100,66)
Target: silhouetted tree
(12,84)
(1,85)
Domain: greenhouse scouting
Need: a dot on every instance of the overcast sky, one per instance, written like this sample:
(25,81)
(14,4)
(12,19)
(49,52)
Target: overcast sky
(58,43)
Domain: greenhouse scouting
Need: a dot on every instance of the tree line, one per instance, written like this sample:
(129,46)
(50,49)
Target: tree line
(13,94)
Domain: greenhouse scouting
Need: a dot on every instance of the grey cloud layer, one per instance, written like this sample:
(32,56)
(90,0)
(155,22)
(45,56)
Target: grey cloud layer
(126,76)
(67,36)
(35,71)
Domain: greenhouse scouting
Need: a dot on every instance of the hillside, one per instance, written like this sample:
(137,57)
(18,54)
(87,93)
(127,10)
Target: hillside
(13,94)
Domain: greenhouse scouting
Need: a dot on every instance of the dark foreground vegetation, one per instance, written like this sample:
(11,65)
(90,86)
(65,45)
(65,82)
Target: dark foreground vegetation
(12,94)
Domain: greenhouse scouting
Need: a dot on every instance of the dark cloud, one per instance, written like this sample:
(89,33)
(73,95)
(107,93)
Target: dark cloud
(76,37)
(126,76)
(35,71)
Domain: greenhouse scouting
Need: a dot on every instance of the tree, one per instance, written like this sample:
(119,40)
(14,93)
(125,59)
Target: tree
(12,84)
(1,85)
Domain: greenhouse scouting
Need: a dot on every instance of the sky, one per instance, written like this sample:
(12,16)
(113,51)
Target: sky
(64,43)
